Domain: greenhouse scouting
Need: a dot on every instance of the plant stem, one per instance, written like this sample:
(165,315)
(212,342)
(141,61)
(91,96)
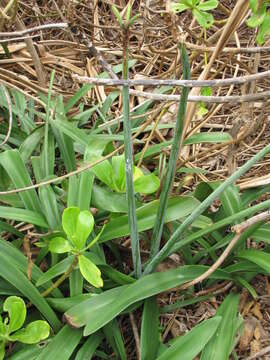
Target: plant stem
(164,252)
(61,279)
(132,218)
(165,193)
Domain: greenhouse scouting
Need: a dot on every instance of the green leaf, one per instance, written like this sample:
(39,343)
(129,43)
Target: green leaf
(90,271)
(117,15)
(254,5)
(178,208)
(28,216)
(264,29)
(202,110)
(50,207)
(211,137)
(84,226)
(187,347)
(21,282)
(102,308)
(259,257)
(27,352)
(105,199)
(104,172)
(206,91)
(262,234)
(64,304)
(147,184)
(57,269)
(12,162)
(59,245)
(256,20)
(205,19)
(16,309)
(30,143)
(231,200)
(62,345)
(88,349)
(220,346)
(150,330)
(180,7)
(33,333)
(118,168)
(2,350)
(208,5)
(71,130)
(19,261)
(114,338)
(69,221)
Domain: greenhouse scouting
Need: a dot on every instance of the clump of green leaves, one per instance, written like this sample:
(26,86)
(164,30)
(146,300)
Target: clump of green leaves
(128,20)
(199,10)
(260,19)
(78,225)
(11,326)
(113,175)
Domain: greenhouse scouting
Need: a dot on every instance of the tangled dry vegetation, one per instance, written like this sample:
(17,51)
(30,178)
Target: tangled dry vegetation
(92,43)
(153,44)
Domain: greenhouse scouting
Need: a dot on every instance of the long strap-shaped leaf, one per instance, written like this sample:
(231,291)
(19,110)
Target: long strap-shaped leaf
(163,253)
(132,218)
(164,197)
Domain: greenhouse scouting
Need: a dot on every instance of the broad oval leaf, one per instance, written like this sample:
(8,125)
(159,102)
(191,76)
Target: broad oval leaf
(90,271)
(180,7)
(33,333)
(208,5)
(205,19)
(146,184)
(84,226)
(187,347)
(59,245)
(69,221)
(16,309)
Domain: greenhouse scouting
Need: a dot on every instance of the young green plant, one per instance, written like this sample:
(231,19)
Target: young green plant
(11,326)
(199,10)
(113,175)
(77,225)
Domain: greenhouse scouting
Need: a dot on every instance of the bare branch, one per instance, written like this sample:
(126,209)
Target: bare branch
(185,83)
(36,28)
(259,97)
(231,50)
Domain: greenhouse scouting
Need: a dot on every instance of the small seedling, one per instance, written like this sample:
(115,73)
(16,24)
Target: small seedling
(113,175)
(78,225)
(11,326)
(199,10)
